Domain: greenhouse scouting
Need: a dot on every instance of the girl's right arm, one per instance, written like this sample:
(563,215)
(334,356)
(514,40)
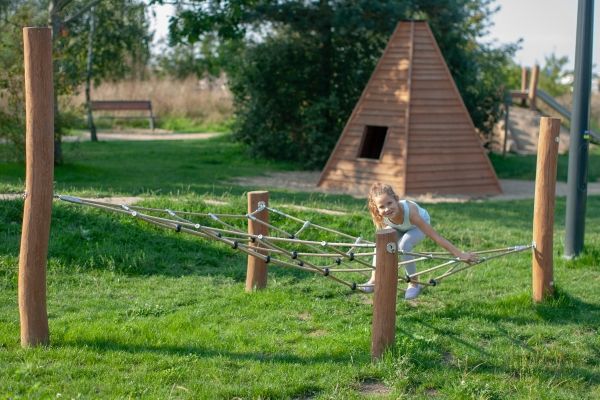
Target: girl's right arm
(428,230)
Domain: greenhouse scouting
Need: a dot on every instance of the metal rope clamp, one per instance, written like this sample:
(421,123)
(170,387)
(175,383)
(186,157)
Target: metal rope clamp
(391,247)
(261,206)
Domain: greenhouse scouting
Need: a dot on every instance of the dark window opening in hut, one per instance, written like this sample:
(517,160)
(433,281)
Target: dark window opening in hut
(372,143)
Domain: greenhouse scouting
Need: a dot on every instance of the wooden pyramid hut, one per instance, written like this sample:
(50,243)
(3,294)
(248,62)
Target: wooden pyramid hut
(410,127)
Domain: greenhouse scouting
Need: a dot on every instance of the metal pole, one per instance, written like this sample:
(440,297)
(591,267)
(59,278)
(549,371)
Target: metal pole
(578,148)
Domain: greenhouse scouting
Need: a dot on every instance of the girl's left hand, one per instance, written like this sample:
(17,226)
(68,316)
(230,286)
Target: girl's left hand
(469,258)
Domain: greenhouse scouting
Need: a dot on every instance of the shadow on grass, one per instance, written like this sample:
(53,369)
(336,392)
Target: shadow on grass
(494,362)
(185,351)
(445,333)
(85,239)
(561,308)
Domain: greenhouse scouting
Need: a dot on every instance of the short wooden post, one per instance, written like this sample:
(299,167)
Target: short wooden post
(543,208)
(386,286)
(256,273)
(523,83)
(39,139)
(507,104)
(532,92)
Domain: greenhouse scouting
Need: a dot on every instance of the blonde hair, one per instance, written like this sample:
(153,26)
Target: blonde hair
(377,189)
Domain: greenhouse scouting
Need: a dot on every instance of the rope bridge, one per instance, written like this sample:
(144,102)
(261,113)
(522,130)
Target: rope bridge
(340,257)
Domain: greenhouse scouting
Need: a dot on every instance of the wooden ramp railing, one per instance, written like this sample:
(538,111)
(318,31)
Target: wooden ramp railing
(533,93)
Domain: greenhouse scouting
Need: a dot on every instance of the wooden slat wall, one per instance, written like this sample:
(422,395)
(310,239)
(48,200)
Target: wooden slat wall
(444,151)
(411,91)
(384,102)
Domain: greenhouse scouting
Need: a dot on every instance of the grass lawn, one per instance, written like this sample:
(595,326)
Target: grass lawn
(139,312)
(523,167)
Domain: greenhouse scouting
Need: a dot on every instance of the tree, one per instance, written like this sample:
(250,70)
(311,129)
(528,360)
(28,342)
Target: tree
(120,46)
(554,78)
(200,59)
(121,41)
(297,67)
(13,16)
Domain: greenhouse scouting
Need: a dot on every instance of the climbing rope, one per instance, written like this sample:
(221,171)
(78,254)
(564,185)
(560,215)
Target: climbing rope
(335,259)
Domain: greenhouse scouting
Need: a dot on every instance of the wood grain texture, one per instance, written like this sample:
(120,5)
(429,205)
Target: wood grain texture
(430,132)
(386,287)
(39,137)
(543,209)
(256,272)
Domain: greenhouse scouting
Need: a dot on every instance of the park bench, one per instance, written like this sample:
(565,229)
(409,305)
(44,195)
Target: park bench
(125,105)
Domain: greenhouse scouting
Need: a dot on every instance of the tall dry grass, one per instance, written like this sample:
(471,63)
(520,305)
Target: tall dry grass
(209,101)
(567,101)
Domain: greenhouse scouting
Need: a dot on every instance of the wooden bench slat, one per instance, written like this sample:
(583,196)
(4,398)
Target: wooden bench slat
(125,105)
(113,105)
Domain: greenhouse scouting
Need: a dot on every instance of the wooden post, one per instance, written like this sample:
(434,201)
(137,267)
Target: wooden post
(523,83)
(256,273)
(532,92)
(543,208)
(506,127)
(386,286)
(39,110)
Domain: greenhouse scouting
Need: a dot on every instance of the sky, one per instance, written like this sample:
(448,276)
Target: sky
(546,27)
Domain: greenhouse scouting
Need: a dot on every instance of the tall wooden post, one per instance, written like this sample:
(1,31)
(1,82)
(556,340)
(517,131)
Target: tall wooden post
(386,286)
(39,110)
(533,82)
(543,208)
(523,83)
(256,273)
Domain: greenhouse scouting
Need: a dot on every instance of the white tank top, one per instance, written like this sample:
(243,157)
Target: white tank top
(406,225)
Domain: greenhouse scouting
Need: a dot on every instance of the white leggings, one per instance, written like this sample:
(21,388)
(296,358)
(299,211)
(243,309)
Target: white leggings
(406,243)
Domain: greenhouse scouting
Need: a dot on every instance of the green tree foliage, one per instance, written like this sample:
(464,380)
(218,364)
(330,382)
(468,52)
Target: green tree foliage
(120,42)
(13,16)
(298,67)
(201,59)
(121,46)
(554,77)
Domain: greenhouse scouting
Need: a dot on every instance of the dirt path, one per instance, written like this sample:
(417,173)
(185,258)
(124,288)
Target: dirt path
(306,181)
(140,135)
(512,189)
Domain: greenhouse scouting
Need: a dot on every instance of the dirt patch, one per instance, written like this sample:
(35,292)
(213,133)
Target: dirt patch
(373,388)
(305,181)
(119,200)
(215,202)
(317,210)
(305,316)
(318,333)
(11,196)
(110,200)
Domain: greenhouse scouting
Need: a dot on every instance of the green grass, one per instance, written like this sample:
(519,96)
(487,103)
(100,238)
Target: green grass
(190,125)
(513,166)
(139,312)
(159,167)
